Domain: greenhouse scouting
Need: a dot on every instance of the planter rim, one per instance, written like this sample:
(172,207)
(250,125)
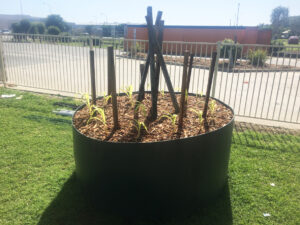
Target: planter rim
(145,143)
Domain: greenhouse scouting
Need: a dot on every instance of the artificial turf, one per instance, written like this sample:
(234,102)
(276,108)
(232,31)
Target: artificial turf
(38,185)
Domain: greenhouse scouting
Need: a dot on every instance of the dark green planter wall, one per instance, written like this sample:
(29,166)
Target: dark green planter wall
(159,177)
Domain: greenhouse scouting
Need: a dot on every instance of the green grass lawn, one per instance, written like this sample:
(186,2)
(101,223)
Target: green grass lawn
(285,42)
(38,186)
(290,47)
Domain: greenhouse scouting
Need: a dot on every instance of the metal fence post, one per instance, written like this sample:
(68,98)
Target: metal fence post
(216,69)
(3,77)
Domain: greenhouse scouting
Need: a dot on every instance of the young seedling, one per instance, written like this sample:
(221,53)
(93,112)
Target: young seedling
(199,94)
(186,95)
(162,92)
(128,91)
(212,107)
(88,104)
(140,107)
(138,126)
(93,110)
(199,114)
(106,98)
(102,117)
(172,118)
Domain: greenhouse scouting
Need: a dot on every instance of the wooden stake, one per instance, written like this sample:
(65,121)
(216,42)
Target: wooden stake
(142,91)
(183,90)
(110,69)
(160,29)
(163,66)
(154,92)
(92,69)
(112,84)
(190,72)
(209,83)
(158,17)
(143,80)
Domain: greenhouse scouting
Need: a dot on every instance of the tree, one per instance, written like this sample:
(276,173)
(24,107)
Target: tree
(33,29)
(57,21)
(279,20)
(53,30)
(107,30)
(294,24)
(89,29)
(41,28)
(16,28)
(24,26)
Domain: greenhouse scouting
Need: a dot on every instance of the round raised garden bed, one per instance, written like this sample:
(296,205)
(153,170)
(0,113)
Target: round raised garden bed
(153,177)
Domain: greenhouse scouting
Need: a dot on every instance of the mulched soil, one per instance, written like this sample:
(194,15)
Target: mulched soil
(223,64)
(158,130)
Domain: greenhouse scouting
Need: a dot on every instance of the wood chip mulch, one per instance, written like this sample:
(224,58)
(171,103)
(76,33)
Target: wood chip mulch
(159,130)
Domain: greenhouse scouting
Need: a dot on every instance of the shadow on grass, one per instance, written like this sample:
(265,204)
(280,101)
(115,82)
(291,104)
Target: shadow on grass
(66,104)
(48,119)
(265,137)
(71,207)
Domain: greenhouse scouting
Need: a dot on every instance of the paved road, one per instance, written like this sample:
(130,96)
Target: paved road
(271,95)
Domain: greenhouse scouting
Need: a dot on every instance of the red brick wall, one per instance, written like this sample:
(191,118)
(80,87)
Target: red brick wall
(248,35)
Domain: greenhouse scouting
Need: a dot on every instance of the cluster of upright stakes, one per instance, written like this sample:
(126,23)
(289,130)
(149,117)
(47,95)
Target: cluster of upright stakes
(156,63)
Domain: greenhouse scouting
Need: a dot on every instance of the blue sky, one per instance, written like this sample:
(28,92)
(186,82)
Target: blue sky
(183,12)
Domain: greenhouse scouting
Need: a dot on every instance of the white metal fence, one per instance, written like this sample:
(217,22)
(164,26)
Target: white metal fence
(265,85)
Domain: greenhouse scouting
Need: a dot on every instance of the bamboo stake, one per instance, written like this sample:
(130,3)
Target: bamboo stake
(209,83)
(183,90)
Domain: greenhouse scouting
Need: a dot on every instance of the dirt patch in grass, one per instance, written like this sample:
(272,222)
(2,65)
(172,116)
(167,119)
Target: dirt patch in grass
(159,130)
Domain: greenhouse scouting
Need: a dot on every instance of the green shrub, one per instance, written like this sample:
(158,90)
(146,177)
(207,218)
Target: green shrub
(33,29)
(257,57)
(277,49)
(234,48)
(40,27)
(53,30)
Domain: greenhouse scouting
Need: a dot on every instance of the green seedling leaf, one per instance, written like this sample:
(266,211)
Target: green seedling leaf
(172,118)
(212,107)
(138,125)
(199,114)
(141,108)
(106,98)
